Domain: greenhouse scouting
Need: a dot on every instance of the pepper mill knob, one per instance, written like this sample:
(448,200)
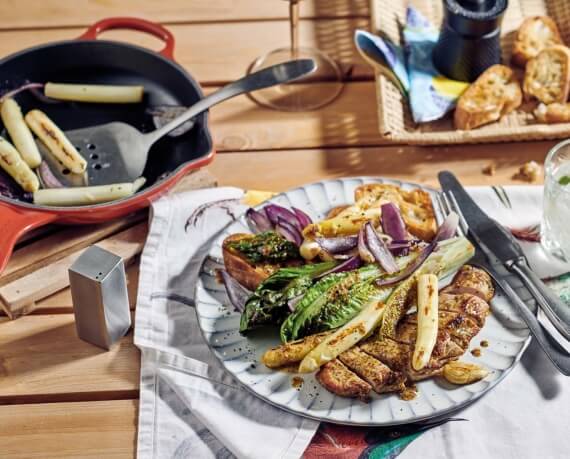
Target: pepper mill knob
(469,41)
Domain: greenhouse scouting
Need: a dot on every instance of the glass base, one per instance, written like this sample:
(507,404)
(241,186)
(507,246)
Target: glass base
(316,90)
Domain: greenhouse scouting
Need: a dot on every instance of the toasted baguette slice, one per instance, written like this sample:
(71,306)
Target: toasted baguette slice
(247,274)
(547,76)
(553,113)
(415,206)
(535,34)
(495,93)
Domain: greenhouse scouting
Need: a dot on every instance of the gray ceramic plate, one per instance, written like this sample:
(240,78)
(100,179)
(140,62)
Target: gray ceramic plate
(241,356)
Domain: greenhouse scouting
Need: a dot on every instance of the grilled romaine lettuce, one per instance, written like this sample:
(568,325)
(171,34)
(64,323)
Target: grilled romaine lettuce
(332,302)
(268,304)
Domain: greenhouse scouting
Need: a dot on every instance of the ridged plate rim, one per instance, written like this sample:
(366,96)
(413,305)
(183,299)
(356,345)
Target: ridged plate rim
(309,412)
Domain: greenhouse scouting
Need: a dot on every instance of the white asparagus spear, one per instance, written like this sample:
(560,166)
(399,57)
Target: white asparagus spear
(82,196)
(13,164)
(20,133)
(96,93)
(56,141)
(427,320)
(344,338)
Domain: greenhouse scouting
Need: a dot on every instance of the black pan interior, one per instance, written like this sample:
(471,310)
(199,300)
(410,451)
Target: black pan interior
(106,62)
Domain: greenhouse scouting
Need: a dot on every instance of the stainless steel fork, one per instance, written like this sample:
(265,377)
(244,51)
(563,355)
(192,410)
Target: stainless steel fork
(483,259)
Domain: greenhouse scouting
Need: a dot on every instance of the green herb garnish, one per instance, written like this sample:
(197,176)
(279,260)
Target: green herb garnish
(267,247)
(565,180)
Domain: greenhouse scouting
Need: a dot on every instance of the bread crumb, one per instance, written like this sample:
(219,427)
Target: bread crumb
(528,172)
(490,169)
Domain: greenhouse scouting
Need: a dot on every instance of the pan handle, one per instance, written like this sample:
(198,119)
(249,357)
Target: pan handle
(142,25)
(14,222)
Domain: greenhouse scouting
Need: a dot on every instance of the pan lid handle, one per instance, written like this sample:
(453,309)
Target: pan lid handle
(142,25)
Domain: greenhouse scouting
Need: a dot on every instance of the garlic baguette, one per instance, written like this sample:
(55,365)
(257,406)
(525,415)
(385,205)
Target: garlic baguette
(20,133)
(13,164)
(95,93)
(56,141)
(427,320)
(82,196)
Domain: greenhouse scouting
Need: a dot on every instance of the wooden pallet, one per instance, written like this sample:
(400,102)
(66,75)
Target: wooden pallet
(39,266)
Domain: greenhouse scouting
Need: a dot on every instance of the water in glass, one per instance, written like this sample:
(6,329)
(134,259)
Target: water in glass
(556,217)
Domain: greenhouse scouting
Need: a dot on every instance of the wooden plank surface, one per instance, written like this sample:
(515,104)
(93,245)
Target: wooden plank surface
(104,429)
(52,248)
(240,124)
(19,297)
(43,360)
(60,302)
(39,268)
(40,14)
(283,169)
(222,52)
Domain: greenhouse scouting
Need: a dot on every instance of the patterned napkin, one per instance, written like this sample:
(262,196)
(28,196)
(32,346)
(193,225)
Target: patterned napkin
(431,95)
(190,407)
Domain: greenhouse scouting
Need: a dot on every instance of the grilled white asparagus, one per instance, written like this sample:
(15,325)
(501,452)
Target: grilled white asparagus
(82,196)
(95,93)
(427,320)
(56,141)
(451,254)
(20,133)
(344,338)
(348,221)
(13,164)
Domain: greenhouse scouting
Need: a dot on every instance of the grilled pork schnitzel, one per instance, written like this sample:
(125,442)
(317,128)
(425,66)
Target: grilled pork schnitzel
(384,365)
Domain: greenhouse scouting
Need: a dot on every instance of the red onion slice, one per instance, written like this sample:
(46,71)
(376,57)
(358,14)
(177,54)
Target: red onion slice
(339,244)
(346,255)
(289,232)
(275,212)
(378,249)
(397,245)
(48,179)
(237,293)
(363,249)
(393,225)
(38,94)
(303,219)
(24,87)
(258,220)
(392,222)
(410,269)
(292,303)
(349,265)
(447,230)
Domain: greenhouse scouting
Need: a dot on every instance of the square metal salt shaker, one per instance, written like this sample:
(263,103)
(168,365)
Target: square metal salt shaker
(100,300)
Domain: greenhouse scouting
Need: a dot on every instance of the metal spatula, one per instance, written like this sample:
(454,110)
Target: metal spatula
(117,152)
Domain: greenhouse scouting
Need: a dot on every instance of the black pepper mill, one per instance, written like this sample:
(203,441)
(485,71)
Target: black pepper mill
(469,41)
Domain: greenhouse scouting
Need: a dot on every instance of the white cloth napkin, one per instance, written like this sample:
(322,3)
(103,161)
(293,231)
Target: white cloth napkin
(189,407)
(527,415)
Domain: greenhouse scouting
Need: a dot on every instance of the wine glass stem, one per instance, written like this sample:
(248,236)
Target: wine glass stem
(294,26)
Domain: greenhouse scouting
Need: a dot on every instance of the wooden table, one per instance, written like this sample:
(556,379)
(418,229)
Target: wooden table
(61,397)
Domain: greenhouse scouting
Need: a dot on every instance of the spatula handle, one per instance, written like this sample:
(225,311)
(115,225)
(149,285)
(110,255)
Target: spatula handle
(271,76)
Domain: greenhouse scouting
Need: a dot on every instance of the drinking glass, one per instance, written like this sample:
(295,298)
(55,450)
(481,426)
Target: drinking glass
(555,226)
(299,95)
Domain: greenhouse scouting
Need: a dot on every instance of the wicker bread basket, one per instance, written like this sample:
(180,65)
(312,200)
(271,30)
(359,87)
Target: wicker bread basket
(396,124)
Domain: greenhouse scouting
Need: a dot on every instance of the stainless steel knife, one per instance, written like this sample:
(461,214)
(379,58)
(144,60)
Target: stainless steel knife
(502,245)
(558,356)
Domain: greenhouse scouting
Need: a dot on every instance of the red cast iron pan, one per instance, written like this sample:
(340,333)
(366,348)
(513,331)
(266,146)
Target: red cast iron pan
(88,60)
